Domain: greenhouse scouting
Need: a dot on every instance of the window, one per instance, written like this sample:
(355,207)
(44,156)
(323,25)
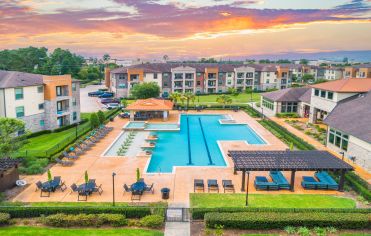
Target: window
(122,85)
(268,74)
(18,93)
(165,76)
(316,92)
(59,90)
(74,115)
(165,84)
(229,74)
(19,111)
(178,76)
(40,89)
(229,82)
(323,94)
(339,139)
(249,75)
(239,75)
(73,86)
(42,122)
(121,76)
(198,74)
(267,81)
(41,106)
(74,102)
(155,76)
(268,104)
(198,83)
(289,107)
(330,95)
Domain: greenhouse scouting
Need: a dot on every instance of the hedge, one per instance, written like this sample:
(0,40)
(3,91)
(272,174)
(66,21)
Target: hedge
(85,220)
(33,211)
(288,115)
(252,112)
(280,220)
(199,213)
(4,218)
(358,185)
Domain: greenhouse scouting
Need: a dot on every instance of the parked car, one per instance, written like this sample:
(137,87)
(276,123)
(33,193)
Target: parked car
(109,100)
(95,93)
(111,106)
(106,95)
(124,115)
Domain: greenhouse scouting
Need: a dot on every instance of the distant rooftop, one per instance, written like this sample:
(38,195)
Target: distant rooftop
(346,85)
(289,94)
(150,104)
(12,79)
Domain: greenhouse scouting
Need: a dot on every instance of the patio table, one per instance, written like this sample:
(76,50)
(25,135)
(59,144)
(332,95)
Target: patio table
(50,185)
(138,187)
(87,187)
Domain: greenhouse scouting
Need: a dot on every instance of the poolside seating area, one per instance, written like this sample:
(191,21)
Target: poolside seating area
(86,189)
(138,188)
(262,183)
(212,185)
(322,180)
(50,186)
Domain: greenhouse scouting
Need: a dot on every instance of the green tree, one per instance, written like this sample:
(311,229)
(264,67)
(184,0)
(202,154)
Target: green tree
(233,91)
(175,97)
(29,59)
(188,97)
(9,141)
(224,99)
(145,90)
(106,57)
(304,62)
(63,62)
(307,77)
(124,102)
(101,117)
(94,120)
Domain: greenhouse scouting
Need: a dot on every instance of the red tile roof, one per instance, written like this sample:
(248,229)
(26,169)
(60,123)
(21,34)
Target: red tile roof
(346,85)
(151,104)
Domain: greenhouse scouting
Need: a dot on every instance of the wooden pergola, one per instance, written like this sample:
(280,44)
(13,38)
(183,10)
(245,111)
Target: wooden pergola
(8,173)
(313,160)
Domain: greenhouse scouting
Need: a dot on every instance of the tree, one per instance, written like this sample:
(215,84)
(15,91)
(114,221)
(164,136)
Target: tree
(145,90)
(124,102)
(188,97)
(233,92)
(304,62)
(307,77)
(101,117)
(29,59)
(9,141)
(94,120)
(224,99)
(62,62)
(175,97)
(106,57)
(165,58)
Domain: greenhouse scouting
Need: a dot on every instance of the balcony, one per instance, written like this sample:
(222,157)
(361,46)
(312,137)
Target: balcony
(62,91)
(189,76)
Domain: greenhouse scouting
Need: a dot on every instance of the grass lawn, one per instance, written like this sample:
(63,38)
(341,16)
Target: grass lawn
(43,231)
(271,200)
(241,98)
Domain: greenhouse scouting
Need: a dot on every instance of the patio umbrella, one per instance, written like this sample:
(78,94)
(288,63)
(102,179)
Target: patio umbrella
(49,176)
(138,174)
(86,177)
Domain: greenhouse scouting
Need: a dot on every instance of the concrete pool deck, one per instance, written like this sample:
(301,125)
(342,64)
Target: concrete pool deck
(180,182)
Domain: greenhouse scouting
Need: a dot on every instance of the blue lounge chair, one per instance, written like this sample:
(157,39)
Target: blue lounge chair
(309,182)
(279,179)
(324,177)
(262,183)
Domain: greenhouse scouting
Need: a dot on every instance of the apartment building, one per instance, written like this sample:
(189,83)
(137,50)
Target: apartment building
(358,71)
(333,73)
(42,102)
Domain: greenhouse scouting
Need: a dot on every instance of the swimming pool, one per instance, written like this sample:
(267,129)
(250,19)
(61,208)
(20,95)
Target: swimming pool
(196,143)
(141,125)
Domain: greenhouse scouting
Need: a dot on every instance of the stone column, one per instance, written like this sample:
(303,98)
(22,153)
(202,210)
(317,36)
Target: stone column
(165,115)
(131,115)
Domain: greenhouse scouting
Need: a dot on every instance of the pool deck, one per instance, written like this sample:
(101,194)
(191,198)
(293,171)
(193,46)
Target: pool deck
(180,182)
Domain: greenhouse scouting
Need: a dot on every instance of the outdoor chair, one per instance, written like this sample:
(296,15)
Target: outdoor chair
(39,186)
(310,182)
(74,188)
(198,184)
(149,189)
(227,185)
(212,185)
(66,155)
(262,183)
(82,194)
(98,189)
(279,179)
(64,163)
(127,189)
(324,177)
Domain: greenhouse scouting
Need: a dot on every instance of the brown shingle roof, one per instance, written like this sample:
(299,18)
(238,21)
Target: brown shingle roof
(346,85)
(151,104)
(12,79)
(287,95)
(353,117)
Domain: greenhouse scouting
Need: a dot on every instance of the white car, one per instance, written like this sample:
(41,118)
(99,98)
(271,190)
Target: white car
(111,106)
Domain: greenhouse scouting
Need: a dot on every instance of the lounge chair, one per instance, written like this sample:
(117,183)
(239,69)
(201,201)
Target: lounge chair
(198,184)
(324,177)
(127,189)
(262,183)
(279,179)
(149,189)
(227,185)
(39,186)
(66,155)
(310,182)
(64,163)
(212,185)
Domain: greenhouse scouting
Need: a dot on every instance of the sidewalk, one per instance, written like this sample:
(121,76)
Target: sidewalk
(360,171)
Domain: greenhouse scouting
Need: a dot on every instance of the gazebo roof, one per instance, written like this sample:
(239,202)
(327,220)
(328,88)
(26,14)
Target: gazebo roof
(313,160)
(151,104)
(8,163)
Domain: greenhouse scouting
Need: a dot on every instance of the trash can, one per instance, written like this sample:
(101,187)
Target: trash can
(165,193)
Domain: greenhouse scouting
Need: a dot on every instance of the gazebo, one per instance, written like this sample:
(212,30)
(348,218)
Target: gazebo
(8,173)
(144,109)
(313,160)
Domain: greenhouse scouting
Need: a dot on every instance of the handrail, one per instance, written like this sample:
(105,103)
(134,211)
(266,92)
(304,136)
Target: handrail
(189,144)
(207,147)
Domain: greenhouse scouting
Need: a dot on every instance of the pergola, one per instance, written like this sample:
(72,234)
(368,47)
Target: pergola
(313,160)
(152,107)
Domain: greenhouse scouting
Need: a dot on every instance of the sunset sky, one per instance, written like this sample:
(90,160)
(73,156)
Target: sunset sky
(186,28)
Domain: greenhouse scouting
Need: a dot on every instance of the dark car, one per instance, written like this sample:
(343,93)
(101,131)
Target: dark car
(109,100)
(106,95)
(95,93)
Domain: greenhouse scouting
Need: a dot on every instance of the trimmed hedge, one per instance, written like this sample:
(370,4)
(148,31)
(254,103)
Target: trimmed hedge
(288,115)
(4,218)
(152,221)
(252,112)
(199,213)
(32,211)
(280,220)
(85,220)
(358,185)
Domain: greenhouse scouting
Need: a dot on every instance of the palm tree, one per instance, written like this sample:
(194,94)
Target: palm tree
(175,97)
(189,96)
(224,99)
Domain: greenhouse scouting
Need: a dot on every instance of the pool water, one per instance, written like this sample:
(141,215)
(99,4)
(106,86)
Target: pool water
(136,125)
(196,143)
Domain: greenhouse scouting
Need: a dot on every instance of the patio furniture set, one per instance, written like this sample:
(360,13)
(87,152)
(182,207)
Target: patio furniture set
(212,185)
(81,147)
(86,189)
(50,186)
(137,189)
(322,180)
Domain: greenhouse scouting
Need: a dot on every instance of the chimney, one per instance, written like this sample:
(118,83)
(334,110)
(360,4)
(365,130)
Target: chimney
(107,77)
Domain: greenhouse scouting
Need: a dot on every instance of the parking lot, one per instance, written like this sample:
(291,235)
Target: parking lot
(90,104)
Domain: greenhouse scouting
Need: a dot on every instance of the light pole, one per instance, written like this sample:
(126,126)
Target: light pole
(247,188)
(262,114)
(113,188)
(342,154)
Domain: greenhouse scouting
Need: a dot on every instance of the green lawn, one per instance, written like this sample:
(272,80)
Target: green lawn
(43,231)
(271,200)
(241,98)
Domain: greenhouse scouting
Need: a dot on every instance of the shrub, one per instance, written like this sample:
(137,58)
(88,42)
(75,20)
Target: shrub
(280,220)
(35,134)
(101,117)
(86,220)
(115,220)
(252,112)
(94,121)
(290,230)
(359,185)
(152,221)
(288,115)
(303,231)
(4,218)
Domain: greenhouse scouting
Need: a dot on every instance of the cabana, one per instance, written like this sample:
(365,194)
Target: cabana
(313,160)
(144,109)
(8,173)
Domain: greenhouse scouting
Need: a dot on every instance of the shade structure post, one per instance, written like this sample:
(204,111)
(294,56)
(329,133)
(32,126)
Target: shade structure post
(292,181)
(341,182)
(243,181)
(234,171)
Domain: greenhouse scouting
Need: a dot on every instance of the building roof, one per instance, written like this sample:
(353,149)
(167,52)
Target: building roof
(353,117)
(12,79)
(312,160)
(151,104)
(288,94)
(8,163)
(306,97)
(346,85)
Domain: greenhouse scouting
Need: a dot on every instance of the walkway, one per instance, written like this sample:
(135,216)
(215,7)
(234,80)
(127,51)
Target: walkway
(360,171)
